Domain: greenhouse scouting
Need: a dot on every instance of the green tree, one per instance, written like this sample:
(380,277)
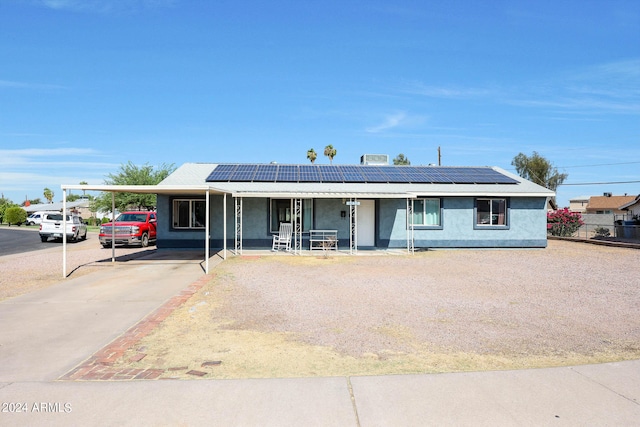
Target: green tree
(401,160)
(537,169)
(15,215)
(312,155)
(330,152)
(131,174)
(4,205)
(48,194)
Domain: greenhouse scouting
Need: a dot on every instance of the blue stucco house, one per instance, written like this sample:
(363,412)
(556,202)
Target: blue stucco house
(365,206)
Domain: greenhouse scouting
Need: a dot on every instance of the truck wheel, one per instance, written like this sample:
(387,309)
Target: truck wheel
(144,241)
(43,238)
(84,236)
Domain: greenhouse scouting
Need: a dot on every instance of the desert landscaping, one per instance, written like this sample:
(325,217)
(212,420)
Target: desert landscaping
(262,315)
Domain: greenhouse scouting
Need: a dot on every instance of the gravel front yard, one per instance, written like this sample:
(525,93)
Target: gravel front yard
(435,311)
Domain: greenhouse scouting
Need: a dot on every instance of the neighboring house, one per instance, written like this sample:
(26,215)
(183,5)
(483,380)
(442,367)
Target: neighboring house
(368,206)
(632,208)
(579,204)
(80,206)
(608,204)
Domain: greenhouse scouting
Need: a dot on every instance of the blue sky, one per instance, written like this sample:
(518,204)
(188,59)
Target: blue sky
(87,85)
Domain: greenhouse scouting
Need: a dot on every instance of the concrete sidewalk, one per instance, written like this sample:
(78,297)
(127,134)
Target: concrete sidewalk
(47,333)
(602,395)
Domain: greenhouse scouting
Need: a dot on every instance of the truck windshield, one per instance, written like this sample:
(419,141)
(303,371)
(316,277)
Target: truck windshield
(132,218)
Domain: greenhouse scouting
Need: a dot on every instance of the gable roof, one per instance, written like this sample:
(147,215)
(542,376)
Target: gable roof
(608,202)
(196,174)
(631,203)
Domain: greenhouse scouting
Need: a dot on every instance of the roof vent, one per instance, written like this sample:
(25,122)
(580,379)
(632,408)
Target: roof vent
(374,159)
(606,194)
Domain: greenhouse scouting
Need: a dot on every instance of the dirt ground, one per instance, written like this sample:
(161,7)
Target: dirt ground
(435,311)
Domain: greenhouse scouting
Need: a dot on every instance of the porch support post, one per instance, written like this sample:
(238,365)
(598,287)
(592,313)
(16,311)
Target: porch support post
(353,226)
(224,227)
(297,226)
(64,233)
(238,229)
(410,236)
(206,232)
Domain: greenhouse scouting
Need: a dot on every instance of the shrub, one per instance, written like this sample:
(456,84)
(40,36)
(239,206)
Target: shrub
(563,222)
(15,215)
(601,232)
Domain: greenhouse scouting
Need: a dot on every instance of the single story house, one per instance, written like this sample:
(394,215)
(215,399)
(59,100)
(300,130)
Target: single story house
(608,204)
(364,206)
(632,208)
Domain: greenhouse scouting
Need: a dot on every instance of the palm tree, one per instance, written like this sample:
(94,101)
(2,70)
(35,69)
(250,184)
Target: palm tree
(84,192)
(330,152)
(312,155)
(48,194)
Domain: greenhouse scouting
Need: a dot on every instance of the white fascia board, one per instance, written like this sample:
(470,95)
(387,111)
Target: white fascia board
(151,189)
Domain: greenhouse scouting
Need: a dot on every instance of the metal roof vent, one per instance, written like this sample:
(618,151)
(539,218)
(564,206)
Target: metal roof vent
(374,159)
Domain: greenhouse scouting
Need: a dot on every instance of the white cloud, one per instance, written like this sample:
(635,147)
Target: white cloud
(104,6)
(389,122)
(417,88)
(27,85)
(25,155)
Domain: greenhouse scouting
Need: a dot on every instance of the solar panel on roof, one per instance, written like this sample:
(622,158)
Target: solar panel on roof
(396,173)
(309,173)
(265,173)
(331,173)
(244,173)
(352,174)
(374,174)
(358,174)
(222,173)
(288,173)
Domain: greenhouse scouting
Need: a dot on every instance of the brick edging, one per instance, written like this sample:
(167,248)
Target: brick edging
(100,365)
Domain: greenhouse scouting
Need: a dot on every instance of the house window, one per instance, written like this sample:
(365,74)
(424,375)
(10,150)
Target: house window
(426,212)
(491,212)
(281,211)
(188,213)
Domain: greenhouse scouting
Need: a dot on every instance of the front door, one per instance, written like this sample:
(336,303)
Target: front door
(366,223)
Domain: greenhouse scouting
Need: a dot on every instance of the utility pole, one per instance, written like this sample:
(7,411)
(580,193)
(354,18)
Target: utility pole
(439,157)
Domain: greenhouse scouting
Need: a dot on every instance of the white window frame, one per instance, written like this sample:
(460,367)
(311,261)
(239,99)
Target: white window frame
(438,225)
(306,204)
(193,221)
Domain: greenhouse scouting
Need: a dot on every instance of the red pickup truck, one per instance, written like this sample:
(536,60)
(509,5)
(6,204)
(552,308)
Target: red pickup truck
(131,228)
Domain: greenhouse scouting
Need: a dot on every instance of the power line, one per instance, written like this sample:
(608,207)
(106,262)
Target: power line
(600,164)
(602,183)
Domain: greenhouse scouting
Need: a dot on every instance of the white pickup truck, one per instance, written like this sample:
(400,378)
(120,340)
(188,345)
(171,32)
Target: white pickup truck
(51,226)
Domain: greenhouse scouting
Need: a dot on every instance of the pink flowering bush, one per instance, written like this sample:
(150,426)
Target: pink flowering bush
(563,222)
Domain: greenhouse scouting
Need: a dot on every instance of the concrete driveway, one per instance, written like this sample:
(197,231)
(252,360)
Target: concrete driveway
(48,332)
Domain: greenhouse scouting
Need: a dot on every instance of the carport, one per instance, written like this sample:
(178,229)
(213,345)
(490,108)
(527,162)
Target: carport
(148,189)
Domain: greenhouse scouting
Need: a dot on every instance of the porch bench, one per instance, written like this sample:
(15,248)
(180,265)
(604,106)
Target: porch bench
(323,239)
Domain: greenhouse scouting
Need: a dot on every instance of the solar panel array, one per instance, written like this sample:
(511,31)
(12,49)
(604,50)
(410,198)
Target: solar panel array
(357,173)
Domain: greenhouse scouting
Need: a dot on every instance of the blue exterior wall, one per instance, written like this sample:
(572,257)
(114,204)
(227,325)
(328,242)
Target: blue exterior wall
(526,224)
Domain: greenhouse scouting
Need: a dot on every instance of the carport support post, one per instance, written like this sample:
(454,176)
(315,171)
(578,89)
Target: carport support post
(206,237)
(64,233)
(113,227)
(224,227)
